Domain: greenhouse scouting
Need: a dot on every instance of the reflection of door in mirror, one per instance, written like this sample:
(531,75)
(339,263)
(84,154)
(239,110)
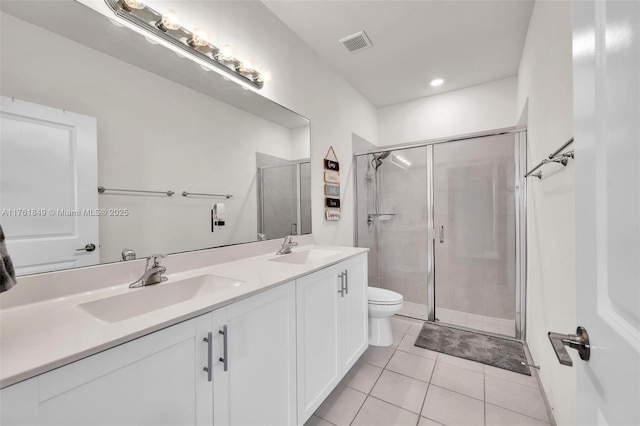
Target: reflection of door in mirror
(48,180)
(284,195)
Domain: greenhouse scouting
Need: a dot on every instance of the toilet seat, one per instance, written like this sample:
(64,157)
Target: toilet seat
(381,296)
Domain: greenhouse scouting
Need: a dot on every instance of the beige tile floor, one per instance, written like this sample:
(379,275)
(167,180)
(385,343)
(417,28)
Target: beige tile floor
(407,385)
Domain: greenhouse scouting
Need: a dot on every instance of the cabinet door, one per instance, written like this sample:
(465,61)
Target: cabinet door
(258,387)
(19,404)
(318,334)
(149,381)
(354,311)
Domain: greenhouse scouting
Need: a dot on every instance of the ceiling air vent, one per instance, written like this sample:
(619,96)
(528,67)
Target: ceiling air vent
(356,42)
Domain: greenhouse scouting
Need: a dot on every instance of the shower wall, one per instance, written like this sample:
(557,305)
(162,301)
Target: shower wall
(395,231)
(367,233)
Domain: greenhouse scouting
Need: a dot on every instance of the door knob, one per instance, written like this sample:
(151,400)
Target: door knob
(88,247)
(578,341)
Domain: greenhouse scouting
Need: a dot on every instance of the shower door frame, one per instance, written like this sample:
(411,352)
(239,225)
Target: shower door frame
(520,200)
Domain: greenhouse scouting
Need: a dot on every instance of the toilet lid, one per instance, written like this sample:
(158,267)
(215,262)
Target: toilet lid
(382,296)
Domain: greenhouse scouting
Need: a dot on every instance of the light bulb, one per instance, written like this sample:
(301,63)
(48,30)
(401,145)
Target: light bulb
(199,37)
(266,76)
(170,20)
(437,82)
(132,4)
(246,65)
(226,53)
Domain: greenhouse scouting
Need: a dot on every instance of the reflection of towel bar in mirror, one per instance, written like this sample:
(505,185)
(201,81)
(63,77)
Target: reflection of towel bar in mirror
(102,190)
(186,194)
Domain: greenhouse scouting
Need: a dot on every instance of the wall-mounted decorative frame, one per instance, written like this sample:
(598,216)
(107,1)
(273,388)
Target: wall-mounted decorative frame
(331,185)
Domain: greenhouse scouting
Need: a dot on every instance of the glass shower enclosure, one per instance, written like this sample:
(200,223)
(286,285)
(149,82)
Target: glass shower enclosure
(284,200)
(444,223)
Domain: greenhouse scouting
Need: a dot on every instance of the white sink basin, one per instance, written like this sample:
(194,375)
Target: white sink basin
(150,298)
(303,256)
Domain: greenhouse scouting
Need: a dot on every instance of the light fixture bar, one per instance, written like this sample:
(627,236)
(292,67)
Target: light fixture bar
(146,18)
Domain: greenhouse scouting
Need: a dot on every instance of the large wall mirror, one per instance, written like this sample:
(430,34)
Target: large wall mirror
(87,104)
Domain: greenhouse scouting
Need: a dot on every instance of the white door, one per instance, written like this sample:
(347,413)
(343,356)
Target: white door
(48,187)
(606,50)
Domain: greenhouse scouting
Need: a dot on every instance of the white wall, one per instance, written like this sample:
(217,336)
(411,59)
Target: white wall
(482,107)
(545,81)
(152,134)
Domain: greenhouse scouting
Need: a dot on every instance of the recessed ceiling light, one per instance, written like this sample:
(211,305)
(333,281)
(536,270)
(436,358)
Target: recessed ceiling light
(437,82)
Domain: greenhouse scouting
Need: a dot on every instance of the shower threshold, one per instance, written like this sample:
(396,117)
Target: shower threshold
(484,323)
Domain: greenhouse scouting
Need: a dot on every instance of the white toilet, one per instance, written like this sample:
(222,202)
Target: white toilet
(382,304)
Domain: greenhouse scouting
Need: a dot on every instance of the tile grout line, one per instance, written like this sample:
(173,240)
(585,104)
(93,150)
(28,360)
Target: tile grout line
(424,401)
(517,412)
(397,406)
(484,393)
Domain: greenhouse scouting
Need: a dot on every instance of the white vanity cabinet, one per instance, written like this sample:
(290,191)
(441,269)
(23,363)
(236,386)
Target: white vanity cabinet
(269,359)
(152,380)
(332,329)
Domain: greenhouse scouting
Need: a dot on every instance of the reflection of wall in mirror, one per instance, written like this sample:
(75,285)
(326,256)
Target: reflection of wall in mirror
(152,134)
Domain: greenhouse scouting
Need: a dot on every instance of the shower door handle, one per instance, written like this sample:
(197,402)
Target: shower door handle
(442,234)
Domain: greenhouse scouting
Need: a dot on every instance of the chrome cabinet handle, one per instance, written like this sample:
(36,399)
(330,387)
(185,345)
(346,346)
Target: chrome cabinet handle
(224,360)
(88,247)
(442,234)
(578,341)
(209,341)
(346,281)
(341,291)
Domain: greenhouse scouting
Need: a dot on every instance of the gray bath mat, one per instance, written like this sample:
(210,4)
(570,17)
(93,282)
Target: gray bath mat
(501,353)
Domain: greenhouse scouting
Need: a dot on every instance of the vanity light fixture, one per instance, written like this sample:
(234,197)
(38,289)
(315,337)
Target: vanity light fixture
(437,82)
(195,43)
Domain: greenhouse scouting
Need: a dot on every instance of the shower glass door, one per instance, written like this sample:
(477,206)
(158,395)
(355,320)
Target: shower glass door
(474,219)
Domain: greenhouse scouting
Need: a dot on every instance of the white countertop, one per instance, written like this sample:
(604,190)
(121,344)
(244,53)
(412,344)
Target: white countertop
(38,337)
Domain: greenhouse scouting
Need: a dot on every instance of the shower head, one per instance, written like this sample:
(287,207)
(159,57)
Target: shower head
(381,155)
(378,158)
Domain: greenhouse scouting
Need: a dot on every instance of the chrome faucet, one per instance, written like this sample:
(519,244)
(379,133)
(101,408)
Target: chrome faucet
(286,245)
(152,272)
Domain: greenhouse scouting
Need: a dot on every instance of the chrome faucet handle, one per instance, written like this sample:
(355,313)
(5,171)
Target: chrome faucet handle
(156,259)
